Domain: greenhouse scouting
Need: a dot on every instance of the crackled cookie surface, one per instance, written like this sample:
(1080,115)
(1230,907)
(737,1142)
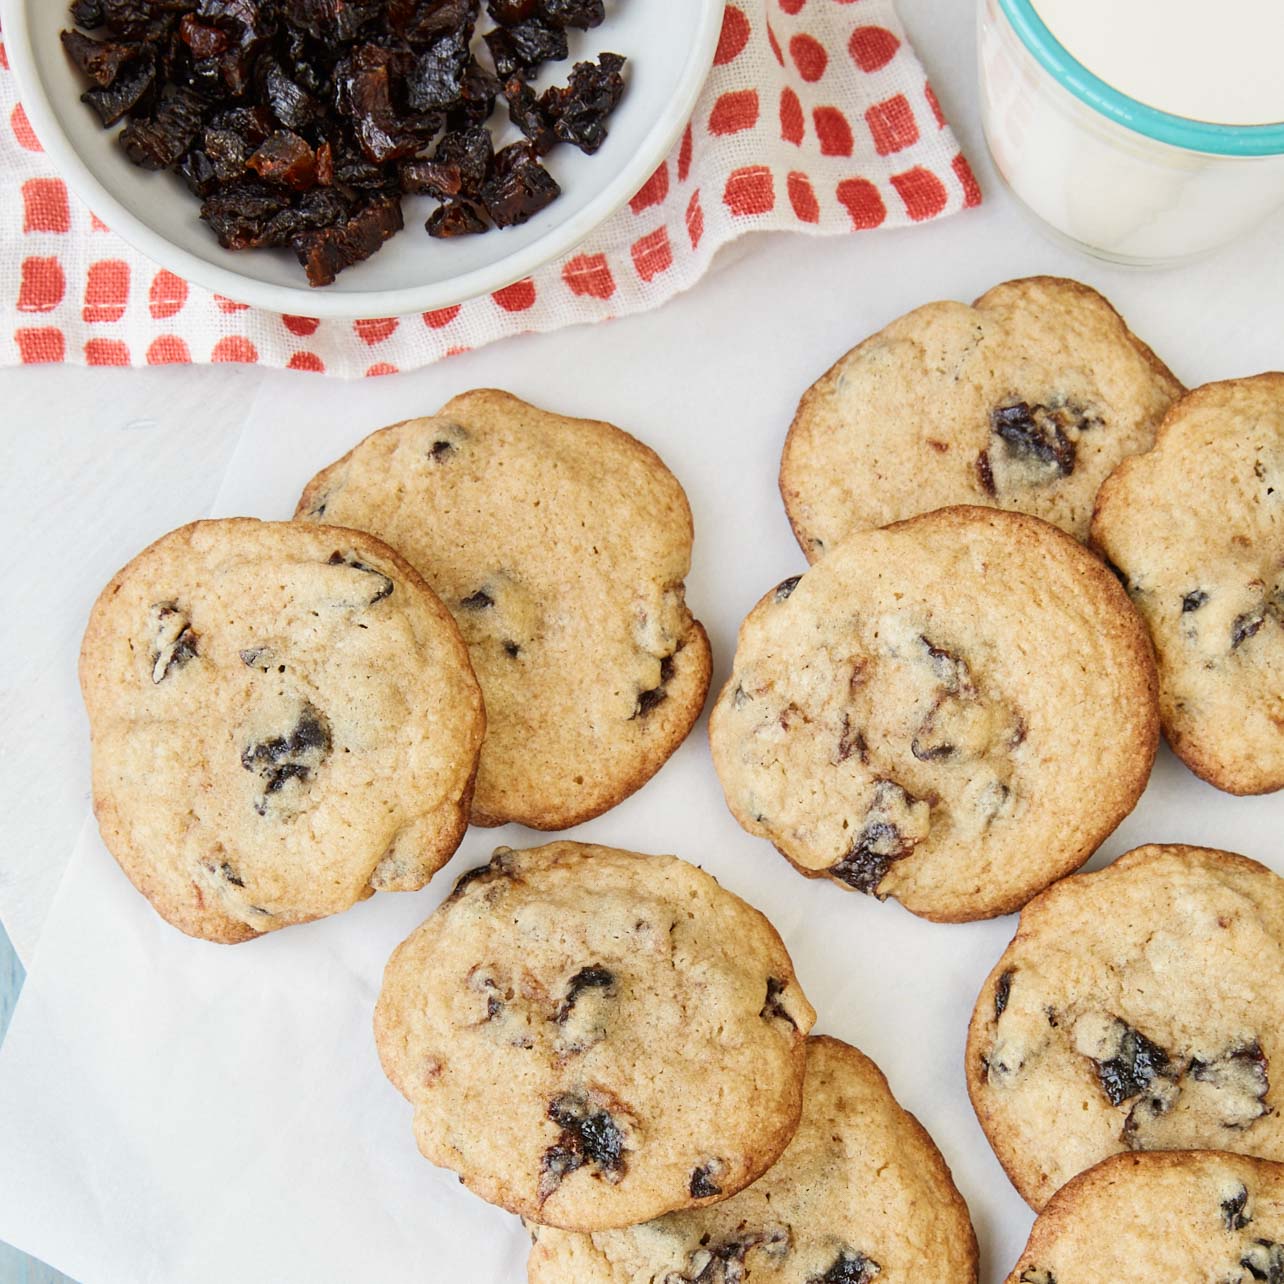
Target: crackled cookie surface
(283,721)
(1196,526)
(954,711)
(860,1194)
(1138,1008)
(1024,401)
(591,1037)
(561,546)
(1200,1216)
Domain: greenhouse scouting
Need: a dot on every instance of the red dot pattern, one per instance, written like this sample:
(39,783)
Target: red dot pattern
(817,116)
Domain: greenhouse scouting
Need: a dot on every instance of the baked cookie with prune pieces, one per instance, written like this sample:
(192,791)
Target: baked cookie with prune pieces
(861,1194)
(1136,1009)
(1161,1218)
(592,1038)
(1196,528)
(1024,401)
(561,546)
(283,721)
(953,711)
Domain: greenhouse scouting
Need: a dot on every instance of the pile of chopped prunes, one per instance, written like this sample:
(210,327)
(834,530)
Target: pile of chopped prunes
(303,122)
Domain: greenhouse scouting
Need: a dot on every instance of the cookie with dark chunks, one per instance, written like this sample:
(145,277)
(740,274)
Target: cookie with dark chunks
(1136,1009)
(592,1038)
(1196,528)
(284,721)
(1154,1219)
(561,546)
(861,1194)
(1024,401)
(954,711)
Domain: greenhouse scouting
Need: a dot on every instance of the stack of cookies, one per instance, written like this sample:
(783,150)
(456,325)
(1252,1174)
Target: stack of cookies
(1031,550)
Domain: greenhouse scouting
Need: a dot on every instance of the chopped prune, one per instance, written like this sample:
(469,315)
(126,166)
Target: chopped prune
(292,757)
(772,1008)
(594,977)
(385,586)
(589,1135)
(702,1185)
(851,740)
(1246,626)
(478,601)
(173,641)
(579,111)
(1002,992)
(1132,1068)
(1193,601)
(880,842)
(1035,432)
(850,1267)
(647,700)
(499,866)
(723,1261)
(784,590)
(985,473)
(518,186)
(349,95)
(1233,1215)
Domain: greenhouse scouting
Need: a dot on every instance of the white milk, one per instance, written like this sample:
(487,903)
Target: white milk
(1106,185)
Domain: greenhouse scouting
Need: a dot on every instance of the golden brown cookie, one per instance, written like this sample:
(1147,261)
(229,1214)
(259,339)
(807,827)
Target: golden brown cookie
(592,1038)
(1024,401)
(1196,528)
(861,1194)
(954,711)
(1137,1008)
(561,546)
(284,721)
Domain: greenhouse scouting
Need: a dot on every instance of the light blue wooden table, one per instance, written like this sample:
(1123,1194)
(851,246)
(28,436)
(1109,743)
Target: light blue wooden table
(15,1267)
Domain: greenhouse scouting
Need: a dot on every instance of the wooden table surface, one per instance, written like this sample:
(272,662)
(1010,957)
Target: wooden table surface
(16,1267)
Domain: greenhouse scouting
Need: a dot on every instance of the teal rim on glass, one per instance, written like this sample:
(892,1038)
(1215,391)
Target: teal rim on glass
(1164,127)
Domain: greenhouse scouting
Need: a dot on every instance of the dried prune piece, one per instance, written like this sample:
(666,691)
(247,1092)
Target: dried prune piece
(204,40)
(241,213)
(1193,601)
(456,218)
(437,79)
(161,142)
(593,977)
(291,104)
(420,21)
(1002,992)
(293,757)
(100,60)
(1246,626)
(87,13)
(580,109)
(499,866)
(772,1008)
(573,13)
(723,1261)
(509,12)
(589,1135)
(126,92)
(385,585)
(471,152)
(1035,432)
(850,1267)
(1265,1261)
(1233,1215)
(535,41)
(286,159)
(702,1185)
(525,111)
(325,253)
(985,473)
(198,172)
(332,21)
(503,54)
(477,95)
(881,840)
(518,187)
(1134,1065)
(785,589)
(227,151)
(647,700)
(173,641)
(478,601)
(363,93)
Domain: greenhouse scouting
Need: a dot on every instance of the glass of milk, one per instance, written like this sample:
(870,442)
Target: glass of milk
(1144,131)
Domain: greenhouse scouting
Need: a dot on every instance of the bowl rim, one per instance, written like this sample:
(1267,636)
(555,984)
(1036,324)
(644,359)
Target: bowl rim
(304,300)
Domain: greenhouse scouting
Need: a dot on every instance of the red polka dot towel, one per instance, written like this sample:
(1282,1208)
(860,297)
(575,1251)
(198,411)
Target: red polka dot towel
(817,117)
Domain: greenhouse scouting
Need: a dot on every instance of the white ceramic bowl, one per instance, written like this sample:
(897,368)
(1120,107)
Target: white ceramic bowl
(669,45)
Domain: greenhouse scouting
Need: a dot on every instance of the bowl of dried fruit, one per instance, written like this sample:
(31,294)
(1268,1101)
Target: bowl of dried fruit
(350,158)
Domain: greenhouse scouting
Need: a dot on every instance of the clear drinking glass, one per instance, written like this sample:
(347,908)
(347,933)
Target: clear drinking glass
(1110,174)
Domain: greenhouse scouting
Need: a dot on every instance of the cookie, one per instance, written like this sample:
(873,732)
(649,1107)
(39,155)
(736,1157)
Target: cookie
(1200,1216)
(1024,401)
(1138,1008)
(592,1038)
(954,711)
(860,1194)
(560,545)
(283,721)
(1196,528)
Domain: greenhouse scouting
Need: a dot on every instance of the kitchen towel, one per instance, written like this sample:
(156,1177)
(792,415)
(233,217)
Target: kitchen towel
(816,117)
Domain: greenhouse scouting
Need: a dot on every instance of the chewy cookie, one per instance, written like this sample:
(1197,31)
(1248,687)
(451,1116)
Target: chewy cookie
(1024,401)
(560,545)
(591,1038)
(1196,527)
(953,711)
(283,721)
(1199,1216)
(1138,1008)
(860,1194)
